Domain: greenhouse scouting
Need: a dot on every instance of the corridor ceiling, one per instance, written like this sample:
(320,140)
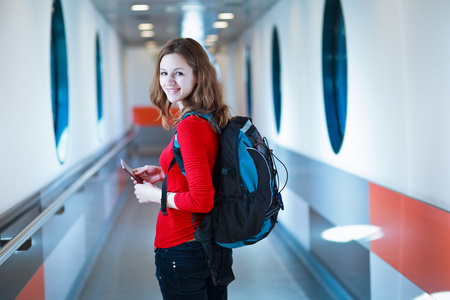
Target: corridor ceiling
(168,17)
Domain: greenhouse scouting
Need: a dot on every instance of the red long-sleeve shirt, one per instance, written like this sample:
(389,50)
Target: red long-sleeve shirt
(194,192)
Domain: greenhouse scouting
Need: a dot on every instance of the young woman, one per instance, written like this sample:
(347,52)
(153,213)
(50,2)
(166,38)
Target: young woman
(185,77)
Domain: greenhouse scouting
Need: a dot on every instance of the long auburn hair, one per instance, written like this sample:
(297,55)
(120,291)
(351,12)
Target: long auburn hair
(207,96)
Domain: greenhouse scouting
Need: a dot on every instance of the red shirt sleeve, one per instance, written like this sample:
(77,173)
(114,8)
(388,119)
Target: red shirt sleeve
(198,144)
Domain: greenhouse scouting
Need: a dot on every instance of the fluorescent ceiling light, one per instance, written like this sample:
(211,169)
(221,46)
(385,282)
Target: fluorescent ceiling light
(220,24)
(145,26)
(151,44)
(147,33)
(225,16)
(140,7)
(212,37)
(209,43)
(211,40)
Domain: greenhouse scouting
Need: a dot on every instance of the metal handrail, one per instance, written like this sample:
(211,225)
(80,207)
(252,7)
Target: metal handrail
(11,247)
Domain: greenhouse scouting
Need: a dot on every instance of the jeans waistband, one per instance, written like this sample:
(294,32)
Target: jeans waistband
(191,244)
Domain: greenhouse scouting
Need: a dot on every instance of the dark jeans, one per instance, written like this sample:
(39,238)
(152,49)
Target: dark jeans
(183,272)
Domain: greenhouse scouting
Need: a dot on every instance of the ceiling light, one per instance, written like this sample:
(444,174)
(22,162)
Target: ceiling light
(211,40)
(145,26)
(147,33)
(151,44)
(209,43)
(140,7)
(225,16)
(212,37)
(220,24)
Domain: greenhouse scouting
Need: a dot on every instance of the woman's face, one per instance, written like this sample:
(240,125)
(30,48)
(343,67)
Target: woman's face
(176,78)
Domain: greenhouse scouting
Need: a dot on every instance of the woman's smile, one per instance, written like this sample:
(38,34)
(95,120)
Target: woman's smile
(172,90)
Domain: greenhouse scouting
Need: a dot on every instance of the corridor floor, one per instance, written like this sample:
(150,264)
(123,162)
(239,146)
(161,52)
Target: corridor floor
(125,267)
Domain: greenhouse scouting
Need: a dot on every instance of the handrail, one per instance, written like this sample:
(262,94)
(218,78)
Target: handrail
(11,247)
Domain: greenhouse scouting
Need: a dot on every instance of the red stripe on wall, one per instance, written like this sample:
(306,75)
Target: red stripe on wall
(416,239)
(35,288)
(148,115)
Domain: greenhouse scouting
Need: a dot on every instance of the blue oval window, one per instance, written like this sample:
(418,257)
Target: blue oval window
(334,72)
(98,63)
(249,80)
(59,81)
(276,78)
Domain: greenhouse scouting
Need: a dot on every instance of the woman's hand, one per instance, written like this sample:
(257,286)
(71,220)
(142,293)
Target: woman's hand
(151,174)
(147,192)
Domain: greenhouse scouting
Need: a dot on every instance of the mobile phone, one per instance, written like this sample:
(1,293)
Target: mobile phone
(130,171)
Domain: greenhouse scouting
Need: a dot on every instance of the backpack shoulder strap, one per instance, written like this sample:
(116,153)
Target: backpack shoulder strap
(176,146)
(177,153)
(178,158)
(164,190)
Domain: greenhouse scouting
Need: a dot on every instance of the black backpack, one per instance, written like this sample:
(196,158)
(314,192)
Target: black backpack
(247,199)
